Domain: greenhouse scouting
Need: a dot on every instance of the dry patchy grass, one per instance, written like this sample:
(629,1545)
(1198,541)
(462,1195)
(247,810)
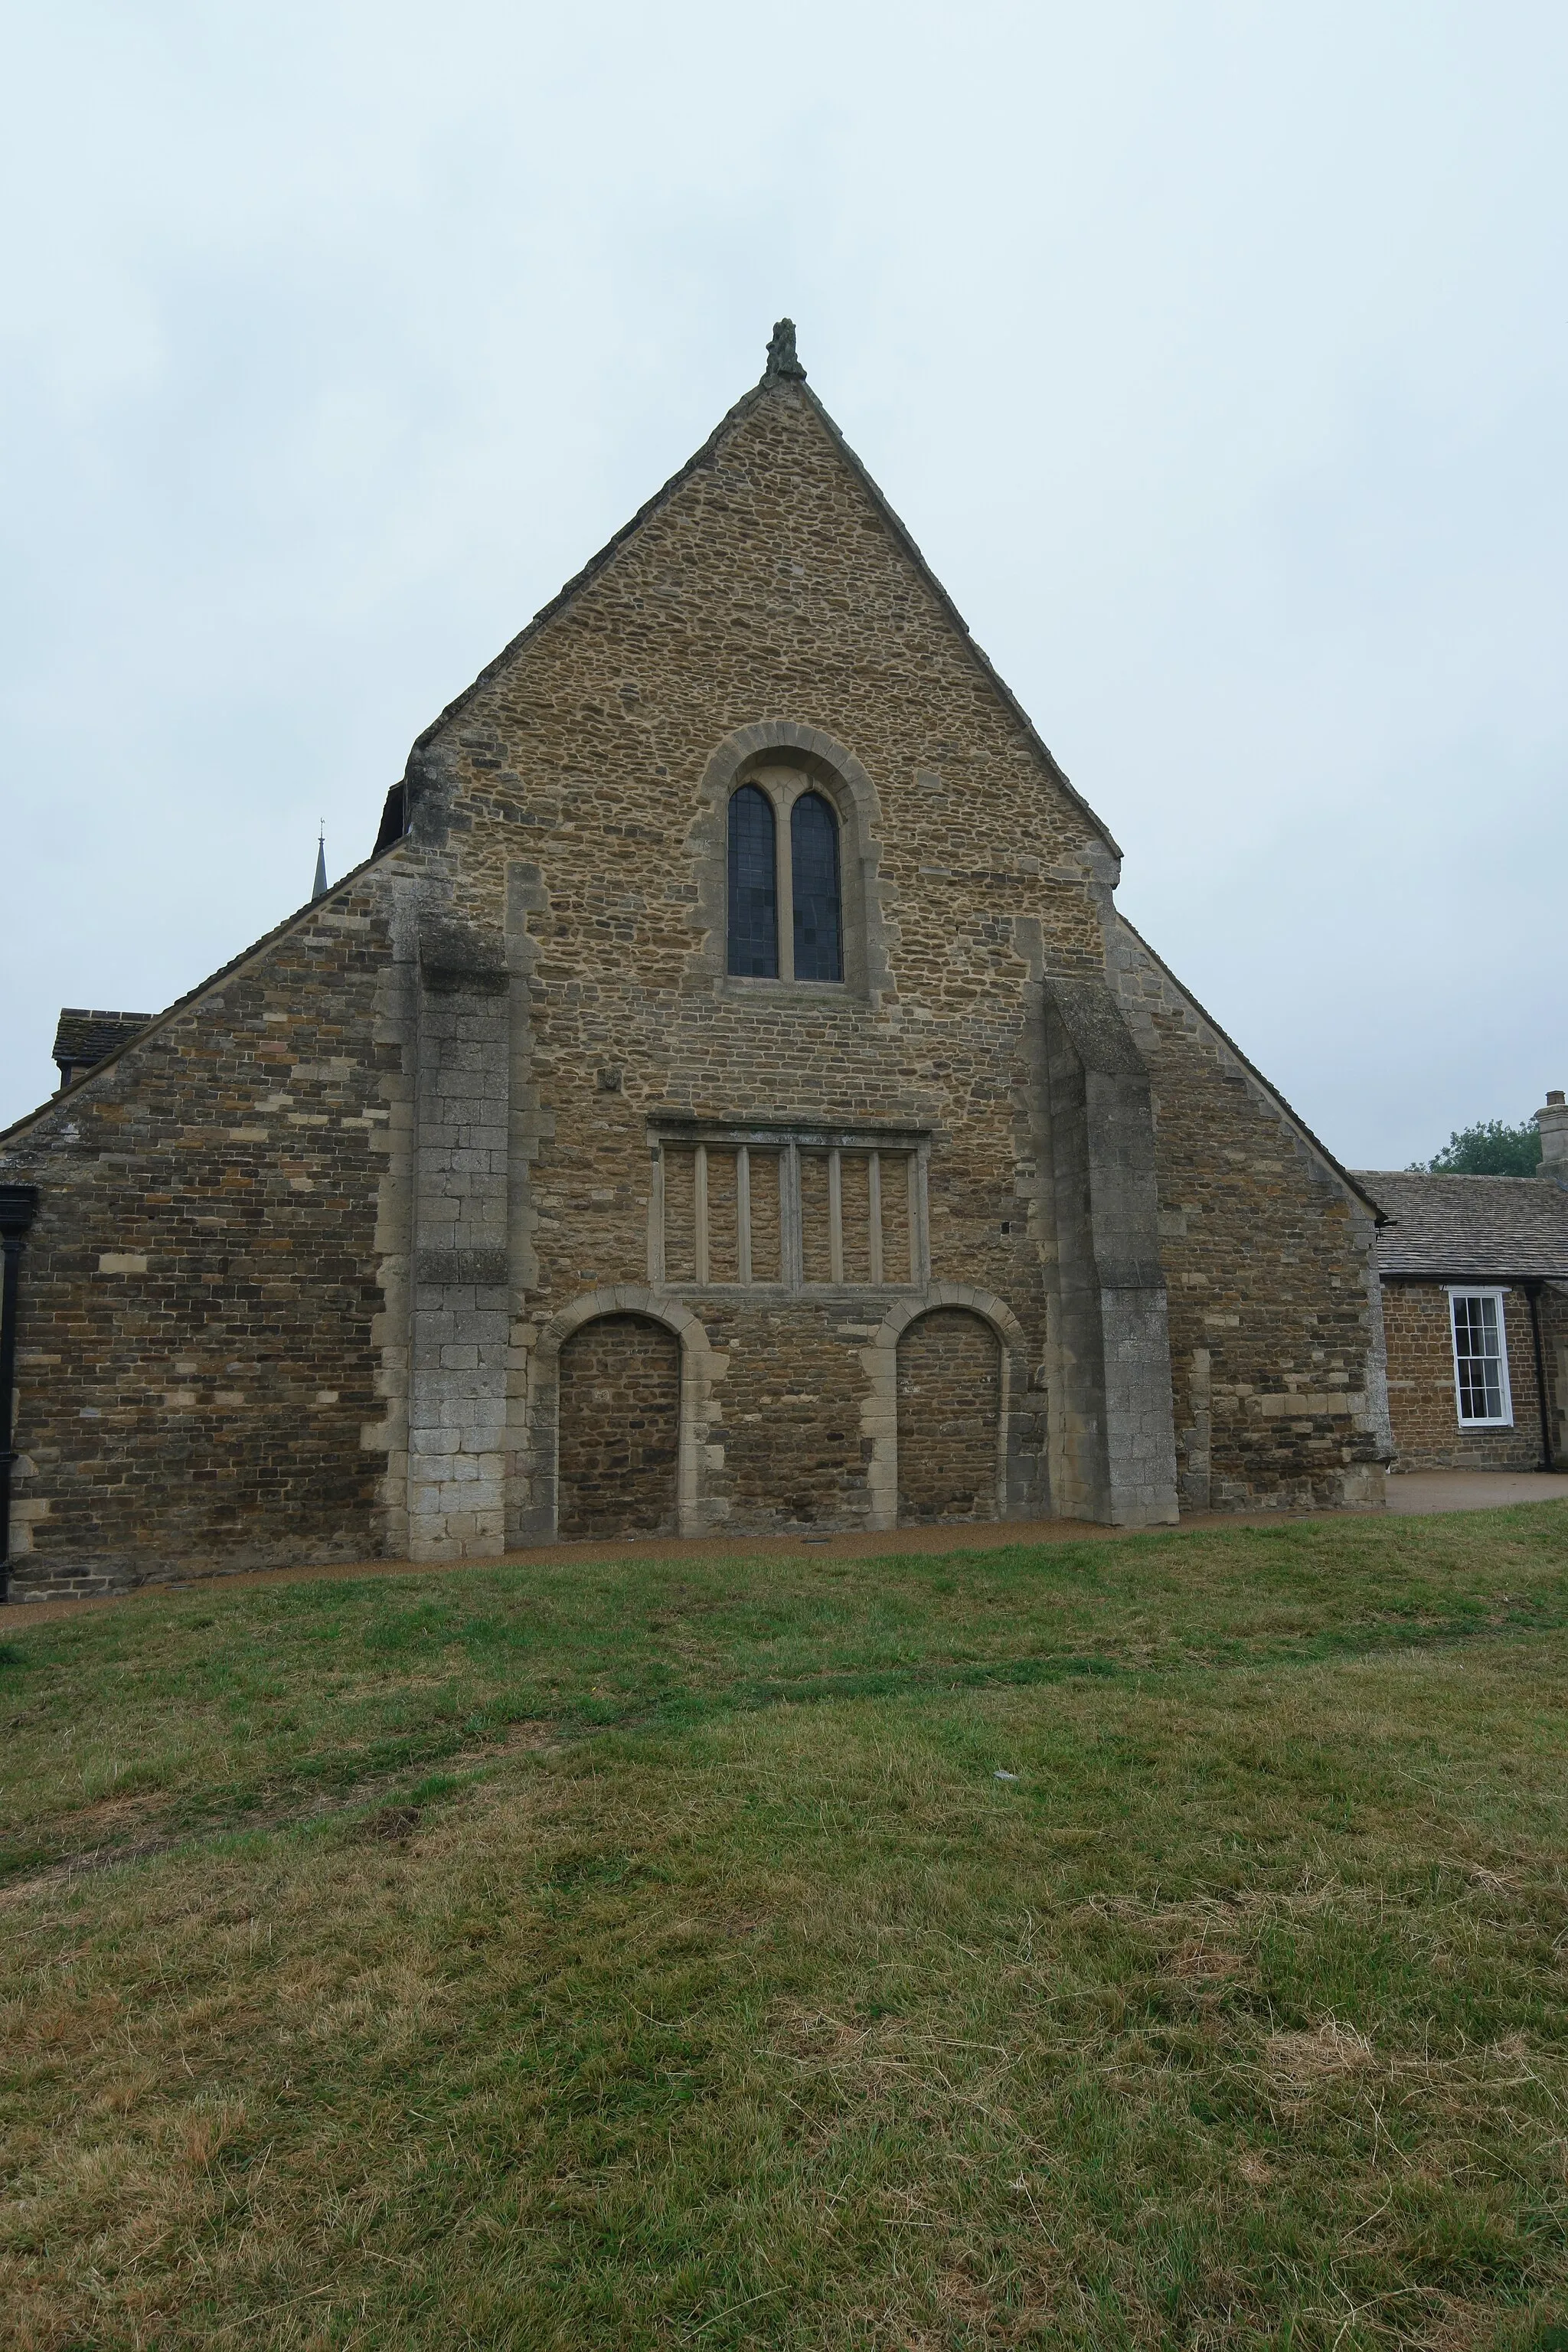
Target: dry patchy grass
(767,2013)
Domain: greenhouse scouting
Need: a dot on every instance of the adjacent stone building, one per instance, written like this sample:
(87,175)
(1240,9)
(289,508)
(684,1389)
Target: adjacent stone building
(1475,1307)
(83,1039)
(728,1099)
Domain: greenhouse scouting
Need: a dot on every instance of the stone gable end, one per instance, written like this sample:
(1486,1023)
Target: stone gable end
(484,1194)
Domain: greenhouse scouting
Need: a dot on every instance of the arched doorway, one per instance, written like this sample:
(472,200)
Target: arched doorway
(950,1404)
(619,1428)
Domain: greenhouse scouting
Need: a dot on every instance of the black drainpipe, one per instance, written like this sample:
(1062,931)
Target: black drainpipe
(19,1206)
(1532,1291)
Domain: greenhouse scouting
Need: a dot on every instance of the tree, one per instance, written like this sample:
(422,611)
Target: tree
(1491,1147)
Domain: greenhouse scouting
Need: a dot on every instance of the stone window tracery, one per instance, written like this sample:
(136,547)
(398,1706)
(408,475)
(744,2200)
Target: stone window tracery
(835,958)
(784,879)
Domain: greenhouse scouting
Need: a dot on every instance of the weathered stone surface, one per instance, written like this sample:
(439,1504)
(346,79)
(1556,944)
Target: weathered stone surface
(1114,1447)
(1273,1301)
(314,1253)
(950,1401)
(197,1363)
(620,1406)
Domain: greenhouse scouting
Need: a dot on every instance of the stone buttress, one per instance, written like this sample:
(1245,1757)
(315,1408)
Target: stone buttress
(1113,1438)
(458,1451)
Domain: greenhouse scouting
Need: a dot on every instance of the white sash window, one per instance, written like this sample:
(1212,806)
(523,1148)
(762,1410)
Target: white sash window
(1480,1359)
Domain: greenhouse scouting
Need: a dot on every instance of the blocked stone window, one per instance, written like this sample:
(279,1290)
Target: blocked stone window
(950,1392)
(1480,1359)
(619,1428)
(797,1209)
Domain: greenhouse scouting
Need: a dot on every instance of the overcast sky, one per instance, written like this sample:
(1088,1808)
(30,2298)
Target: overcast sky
(1213,353)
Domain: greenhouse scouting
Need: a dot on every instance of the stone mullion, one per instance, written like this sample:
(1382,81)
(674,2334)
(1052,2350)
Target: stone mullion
(791,1265)
(656,1250)
(835,1216)
(920,1230)
(700,1196)
(785,868)
(874,1190)
(744,1212)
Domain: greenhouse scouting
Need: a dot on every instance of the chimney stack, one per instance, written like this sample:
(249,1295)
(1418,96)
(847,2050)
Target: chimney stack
(1553,1124)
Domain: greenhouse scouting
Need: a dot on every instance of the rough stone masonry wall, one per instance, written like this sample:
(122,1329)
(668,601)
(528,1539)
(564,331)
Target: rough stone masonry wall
(196,1363)
(950,1397)
(769,588)
(248,1218)
(1275,1350)
(620,1394)
(1422,1398)
(787,1449)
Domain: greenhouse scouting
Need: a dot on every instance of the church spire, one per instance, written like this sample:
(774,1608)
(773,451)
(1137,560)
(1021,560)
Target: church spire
(320,889)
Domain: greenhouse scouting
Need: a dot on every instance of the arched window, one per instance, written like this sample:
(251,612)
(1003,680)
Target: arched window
(754,950)
(785,878)
(813,875)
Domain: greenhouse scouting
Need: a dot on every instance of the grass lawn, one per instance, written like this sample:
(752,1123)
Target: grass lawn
(1150,1942)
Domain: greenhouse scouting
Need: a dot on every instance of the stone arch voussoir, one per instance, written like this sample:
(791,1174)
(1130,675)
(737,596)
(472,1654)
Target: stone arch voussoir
(624,1298)
(815,750)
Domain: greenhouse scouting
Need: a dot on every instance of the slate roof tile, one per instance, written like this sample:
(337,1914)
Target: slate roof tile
(83,1038)
(1470,1228)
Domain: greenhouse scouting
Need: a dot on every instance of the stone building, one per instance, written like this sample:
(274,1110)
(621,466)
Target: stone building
(728,1098)
(1475,1309)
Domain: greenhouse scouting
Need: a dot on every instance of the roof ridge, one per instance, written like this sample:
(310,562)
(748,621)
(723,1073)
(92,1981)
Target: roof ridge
(1447,1176)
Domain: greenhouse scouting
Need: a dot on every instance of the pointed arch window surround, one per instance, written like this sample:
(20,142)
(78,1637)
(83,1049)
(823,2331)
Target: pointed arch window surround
(784,871)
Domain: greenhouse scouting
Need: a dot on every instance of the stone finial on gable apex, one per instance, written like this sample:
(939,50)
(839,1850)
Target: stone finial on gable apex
(784,365)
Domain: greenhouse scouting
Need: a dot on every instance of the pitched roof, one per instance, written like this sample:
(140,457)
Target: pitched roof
(83,1038)
(794,385)
(1470,1228)
(128,1038)
(1348,1176)
(401,799)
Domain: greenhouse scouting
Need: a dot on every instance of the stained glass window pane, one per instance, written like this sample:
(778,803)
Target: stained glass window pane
(813,871)
(753,887)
